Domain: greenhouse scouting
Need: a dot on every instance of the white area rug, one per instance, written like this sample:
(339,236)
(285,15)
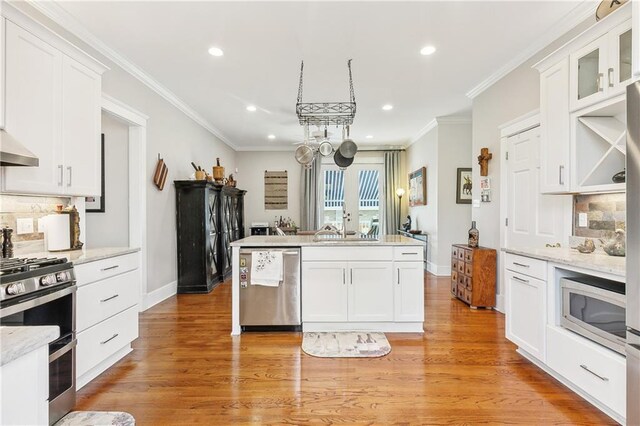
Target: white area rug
(97,418)
(346,344)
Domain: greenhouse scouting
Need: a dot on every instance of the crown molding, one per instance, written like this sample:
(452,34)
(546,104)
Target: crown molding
(61,17)
(568,22)
(426,129)
(452,119)
(21,19)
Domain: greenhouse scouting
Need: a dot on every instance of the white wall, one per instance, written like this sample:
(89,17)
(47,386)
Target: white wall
(442,150)
(170,133)
(111,228)
(424,153)
(512,96)
(251,167)
(454,220)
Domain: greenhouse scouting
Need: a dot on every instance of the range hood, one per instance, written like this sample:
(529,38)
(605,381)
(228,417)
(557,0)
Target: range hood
(13,153)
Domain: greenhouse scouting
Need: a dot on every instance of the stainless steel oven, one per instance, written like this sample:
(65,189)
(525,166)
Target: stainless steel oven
(46,295)
(595,308)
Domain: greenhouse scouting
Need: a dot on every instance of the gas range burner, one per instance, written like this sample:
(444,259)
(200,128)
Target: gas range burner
(17,265)
(29,277)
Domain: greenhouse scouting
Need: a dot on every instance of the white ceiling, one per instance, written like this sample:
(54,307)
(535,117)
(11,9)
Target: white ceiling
(264,42)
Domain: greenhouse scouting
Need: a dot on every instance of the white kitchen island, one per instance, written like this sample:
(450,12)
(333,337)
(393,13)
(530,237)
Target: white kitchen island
(350,285)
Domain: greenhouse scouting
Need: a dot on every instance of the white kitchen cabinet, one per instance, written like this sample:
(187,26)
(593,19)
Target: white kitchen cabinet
(408,291)
(324,291)
(52,107)
(24,389)
(601,68)
(33,113)
(554,129)
(595,370)
(106,313)
(81,124)
(370,291)
(363,288)
(526,312)
(347,291)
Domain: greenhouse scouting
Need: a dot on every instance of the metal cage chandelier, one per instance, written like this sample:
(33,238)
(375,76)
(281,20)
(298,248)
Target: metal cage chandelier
(326,113)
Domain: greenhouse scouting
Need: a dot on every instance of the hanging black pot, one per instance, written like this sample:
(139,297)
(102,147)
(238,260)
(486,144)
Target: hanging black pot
(342,162)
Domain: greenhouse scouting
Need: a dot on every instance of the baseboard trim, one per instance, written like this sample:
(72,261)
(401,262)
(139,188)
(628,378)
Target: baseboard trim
(102,367)
(500,303)
(439,271)
(158,295)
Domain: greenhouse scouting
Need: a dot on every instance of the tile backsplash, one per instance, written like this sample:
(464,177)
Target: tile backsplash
(13,207)
(605,213)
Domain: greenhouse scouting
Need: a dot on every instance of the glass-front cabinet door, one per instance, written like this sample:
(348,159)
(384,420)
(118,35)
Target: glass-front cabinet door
(602,68)
(621,45)
(587,74)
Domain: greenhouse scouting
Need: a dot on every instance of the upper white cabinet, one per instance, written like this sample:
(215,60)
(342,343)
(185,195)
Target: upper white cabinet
(52,106)
(554,129)
(81,123)
(601,68)
(578,82)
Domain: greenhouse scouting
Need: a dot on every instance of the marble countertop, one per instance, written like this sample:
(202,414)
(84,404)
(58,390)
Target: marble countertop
(18,341)
(600,262)
(84,255)
(307,240)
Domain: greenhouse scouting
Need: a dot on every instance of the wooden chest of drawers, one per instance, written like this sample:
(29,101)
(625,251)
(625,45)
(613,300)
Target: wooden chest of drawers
(473,275)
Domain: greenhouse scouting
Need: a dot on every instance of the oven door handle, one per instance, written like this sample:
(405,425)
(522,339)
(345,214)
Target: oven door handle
(57,354)
(32,303)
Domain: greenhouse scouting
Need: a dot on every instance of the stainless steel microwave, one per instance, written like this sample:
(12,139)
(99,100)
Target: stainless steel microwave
(595,308)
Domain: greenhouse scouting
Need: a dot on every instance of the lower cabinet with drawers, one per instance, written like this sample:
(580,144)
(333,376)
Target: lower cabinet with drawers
(106,313)
(532,309)
(473,275)
(371,288)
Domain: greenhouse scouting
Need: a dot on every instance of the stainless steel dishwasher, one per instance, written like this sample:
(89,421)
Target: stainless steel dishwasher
(274,308)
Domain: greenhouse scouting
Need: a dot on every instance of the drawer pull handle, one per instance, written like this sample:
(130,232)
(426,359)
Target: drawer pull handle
(521,280)
(109,339)
(411,253)
(584,367)
(522,264)
(109,268)
(110,298)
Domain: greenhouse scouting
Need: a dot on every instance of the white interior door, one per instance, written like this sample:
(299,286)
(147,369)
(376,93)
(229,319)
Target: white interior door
(360,189)
(534,219)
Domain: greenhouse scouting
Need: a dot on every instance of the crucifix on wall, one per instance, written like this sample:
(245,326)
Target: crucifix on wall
(483,160)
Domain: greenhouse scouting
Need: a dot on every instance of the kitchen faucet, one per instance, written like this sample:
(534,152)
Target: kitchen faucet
(346,217)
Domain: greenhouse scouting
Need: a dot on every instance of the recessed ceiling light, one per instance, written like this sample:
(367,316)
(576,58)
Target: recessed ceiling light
(369,136)
(215,51)
(271,136)
(427,50)
(251,108)
(387,107)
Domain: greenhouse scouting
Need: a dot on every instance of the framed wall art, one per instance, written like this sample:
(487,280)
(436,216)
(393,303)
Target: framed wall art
(418,187)
(464,186)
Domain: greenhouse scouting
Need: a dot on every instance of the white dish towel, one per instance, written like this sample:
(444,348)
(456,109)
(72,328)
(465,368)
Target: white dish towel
(266,268)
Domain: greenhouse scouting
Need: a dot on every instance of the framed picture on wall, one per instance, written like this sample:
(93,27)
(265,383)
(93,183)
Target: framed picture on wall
(464,186)
(96,204)
(418,187)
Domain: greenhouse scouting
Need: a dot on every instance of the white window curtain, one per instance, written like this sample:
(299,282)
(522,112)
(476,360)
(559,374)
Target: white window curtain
(392,181)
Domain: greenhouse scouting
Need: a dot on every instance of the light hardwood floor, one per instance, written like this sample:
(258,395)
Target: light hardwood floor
(187,369)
